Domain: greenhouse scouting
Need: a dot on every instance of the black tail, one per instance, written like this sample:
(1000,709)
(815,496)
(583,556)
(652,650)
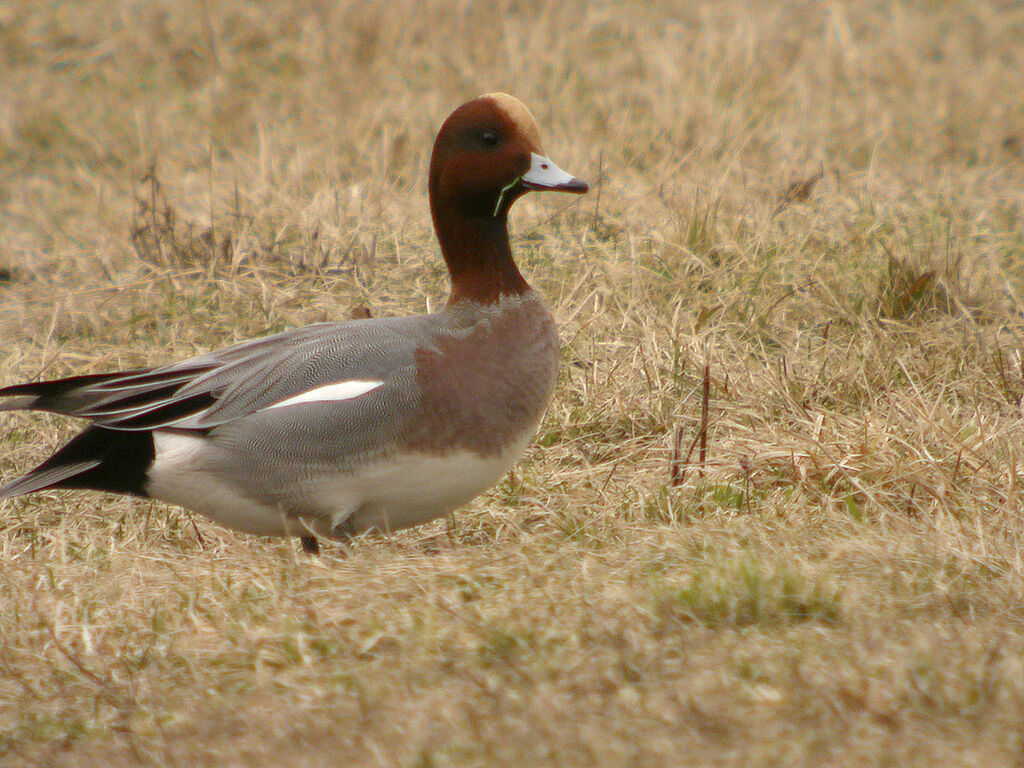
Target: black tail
(98,459)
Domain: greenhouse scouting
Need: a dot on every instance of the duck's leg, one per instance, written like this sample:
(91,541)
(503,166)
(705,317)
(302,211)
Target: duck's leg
(310,545)
(296,525)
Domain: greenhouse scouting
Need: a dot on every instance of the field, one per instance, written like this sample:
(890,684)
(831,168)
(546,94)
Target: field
(816,209)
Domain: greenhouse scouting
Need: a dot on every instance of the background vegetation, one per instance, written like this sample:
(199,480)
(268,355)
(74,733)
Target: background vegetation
(819,202)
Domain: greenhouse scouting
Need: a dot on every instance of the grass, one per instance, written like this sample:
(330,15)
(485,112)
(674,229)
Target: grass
(819,202)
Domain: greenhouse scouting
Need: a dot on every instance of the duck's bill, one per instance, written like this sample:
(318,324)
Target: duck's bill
(544,174)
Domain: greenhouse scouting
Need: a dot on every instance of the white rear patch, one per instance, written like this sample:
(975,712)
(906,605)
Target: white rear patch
(172,449)
(342,390)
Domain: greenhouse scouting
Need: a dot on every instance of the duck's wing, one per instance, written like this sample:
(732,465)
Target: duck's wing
(329,361)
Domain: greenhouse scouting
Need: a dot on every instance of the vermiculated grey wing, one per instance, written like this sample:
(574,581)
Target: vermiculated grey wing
(214,388)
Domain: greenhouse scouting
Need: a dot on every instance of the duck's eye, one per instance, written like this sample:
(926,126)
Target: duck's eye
(490,138)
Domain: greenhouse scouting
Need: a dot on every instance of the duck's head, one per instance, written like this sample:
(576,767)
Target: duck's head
(487,154)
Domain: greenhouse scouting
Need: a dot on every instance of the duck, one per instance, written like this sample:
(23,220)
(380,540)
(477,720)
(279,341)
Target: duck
(336,429)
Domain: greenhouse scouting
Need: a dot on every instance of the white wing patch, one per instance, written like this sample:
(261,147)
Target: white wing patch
(342,390)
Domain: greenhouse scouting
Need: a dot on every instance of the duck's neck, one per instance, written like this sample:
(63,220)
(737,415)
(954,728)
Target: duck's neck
(478,255)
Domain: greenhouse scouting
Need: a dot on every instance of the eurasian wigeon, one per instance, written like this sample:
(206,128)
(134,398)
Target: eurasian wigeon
(339,428)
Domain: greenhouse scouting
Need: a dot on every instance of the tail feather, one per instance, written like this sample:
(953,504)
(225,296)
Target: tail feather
(40,479)
(18,402)
(43,390)
(66,396)
(97,459)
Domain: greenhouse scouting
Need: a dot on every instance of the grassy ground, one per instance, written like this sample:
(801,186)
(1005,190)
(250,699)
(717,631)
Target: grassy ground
(820,202)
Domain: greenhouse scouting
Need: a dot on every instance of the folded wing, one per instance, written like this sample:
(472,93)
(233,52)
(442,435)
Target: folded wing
(205,391)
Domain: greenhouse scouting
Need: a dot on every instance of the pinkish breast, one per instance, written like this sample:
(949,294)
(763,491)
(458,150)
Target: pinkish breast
(488,376)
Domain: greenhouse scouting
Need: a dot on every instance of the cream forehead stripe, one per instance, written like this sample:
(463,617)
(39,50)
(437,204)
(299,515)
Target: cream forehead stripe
(517,113)
(342,390)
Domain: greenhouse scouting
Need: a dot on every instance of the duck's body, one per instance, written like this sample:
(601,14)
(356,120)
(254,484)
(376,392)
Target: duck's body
(413,444)
(339,428)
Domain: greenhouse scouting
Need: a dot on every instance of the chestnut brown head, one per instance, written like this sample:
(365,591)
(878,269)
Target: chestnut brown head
(487,154)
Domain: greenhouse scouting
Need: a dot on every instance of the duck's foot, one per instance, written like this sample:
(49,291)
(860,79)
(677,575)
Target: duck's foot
(310,545)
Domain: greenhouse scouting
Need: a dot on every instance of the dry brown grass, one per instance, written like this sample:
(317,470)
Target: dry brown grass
(822,201)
